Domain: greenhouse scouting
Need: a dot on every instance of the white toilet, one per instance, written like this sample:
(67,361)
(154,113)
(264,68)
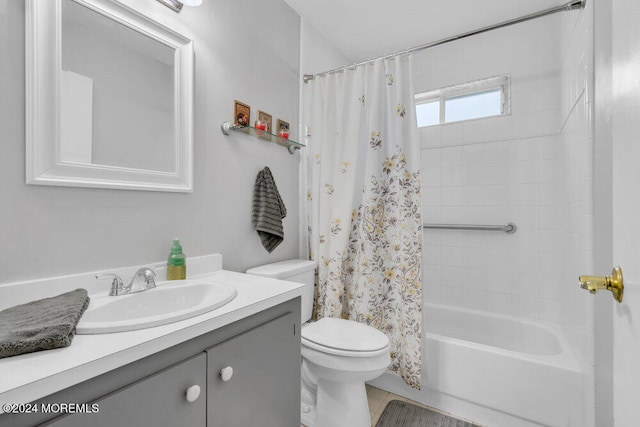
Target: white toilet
(338,356)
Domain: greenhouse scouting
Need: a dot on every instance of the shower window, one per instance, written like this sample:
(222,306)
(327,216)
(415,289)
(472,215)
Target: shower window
(474,100)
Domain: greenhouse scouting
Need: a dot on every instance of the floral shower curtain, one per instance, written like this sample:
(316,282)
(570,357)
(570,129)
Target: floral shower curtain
(365,225)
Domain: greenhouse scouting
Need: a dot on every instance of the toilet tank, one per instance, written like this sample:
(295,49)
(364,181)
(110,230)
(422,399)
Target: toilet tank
(293,270)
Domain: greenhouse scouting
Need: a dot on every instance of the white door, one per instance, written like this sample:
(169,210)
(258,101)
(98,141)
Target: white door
(626,210)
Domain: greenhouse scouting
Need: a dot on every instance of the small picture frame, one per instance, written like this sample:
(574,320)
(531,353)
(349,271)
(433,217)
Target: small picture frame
(241,113)
(282,128)
(266,119)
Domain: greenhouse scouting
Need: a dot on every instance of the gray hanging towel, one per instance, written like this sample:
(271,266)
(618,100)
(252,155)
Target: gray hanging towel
(44,324)
(268,210)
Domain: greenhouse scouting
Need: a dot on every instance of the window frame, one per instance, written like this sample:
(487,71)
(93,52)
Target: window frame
(503,83)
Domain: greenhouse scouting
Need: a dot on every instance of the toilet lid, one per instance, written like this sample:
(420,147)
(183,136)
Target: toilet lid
(344,334)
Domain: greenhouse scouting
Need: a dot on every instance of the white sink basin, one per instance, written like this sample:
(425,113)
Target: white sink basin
(168,302)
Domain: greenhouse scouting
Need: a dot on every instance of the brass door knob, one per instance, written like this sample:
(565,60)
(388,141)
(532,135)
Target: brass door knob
(613,283)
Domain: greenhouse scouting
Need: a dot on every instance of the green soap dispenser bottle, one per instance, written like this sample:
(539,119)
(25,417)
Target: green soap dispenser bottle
(177,262)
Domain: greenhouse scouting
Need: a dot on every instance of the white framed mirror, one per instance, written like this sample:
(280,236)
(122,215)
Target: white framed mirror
(109,98)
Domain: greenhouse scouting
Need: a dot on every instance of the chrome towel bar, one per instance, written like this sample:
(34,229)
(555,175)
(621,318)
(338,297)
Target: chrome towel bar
(508,228)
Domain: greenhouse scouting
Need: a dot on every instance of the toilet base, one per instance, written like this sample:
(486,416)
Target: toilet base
(308,415)
(341,404)
(307,402)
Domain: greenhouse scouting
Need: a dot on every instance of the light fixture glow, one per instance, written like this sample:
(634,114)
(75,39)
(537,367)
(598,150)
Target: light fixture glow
(176,5)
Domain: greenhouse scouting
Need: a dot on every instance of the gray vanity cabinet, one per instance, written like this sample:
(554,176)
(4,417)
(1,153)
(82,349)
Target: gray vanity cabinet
(159,400)
(253,379)
(264,390)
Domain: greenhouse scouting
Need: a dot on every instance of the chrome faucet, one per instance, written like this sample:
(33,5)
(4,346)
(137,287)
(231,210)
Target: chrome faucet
(117,287)
(144,275)
(142,280)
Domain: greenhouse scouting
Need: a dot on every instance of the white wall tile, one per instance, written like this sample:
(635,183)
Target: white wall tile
(451,256)
(431,196)
(529,285)
(549,193)
(431,274)
(451,196)
(525,149)
(532,167)
(430,136)
(451,134)
(501,303)
(498,128)
(524,172)
(525,194)
(474,131)
(525,238)
(451,176)
(451,215)
(430,158)
(495,152)
(451,156)
(486,195)
(528,307)
(450,295)
(525,262)
(430,213)
(526,216)
(431,254)
(430,177)
(452,276)
(431,292)
(548,288)
(502,283)
(486,215)
(486,174)
(547,171)
(474,299)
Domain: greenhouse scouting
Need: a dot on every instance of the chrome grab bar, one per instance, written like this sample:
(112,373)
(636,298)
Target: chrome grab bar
(508,228)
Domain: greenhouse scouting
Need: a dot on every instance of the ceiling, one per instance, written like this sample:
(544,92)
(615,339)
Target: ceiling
(364,29)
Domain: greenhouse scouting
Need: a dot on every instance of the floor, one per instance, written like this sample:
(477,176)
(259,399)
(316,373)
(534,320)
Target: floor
(379,398)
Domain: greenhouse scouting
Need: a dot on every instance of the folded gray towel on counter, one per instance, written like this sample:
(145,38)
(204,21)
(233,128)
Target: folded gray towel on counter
(268,210)
(44,324)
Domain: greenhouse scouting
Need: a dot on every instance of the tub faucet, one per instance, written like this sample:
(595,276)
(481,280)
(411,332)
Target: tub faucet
(142,280)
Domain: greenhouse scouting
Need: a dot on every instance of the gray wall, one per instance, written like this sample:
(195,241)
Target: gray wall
(245,50)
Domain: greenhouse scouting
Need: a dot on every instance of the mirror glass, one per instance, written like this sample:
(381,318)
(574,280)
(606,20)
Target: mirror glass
(121,116)
(116,93)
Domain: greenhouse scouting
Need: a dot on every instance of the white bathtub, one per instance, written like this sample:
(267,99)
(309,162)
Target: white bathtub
(496,370)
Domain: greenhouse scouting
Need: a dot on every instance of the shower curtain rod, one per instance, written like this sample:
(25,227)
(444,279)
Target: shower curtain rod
(574,4)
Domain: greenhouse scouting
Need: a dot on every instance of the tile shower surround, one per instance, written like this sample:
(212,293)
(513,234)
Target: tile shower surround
(531,167)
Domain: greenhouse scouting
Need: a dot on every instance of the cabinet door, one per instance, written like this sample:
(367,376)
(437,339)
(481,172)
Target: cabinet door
(264,389)
(158,400)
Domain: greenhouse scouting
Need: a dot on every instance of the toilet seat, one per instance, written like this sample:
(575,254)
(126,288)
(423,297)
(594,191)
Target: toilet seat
(343,337)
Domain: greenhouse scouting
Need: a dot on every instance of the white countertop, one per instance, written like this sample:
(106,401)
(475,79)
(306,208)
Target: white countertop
(29,377)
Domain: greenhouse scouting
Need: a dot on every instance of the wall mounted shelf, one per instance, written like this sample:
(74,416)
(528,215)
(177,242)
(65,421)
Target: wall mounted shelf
(292,146)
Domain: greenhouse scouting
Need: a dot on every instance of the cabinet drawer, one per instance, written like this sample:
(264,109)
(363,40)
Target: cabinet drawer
(158,400)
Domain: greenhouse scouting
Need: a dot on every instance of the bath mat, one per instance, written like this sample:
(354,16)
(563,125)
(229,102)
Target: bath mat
(399,413)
